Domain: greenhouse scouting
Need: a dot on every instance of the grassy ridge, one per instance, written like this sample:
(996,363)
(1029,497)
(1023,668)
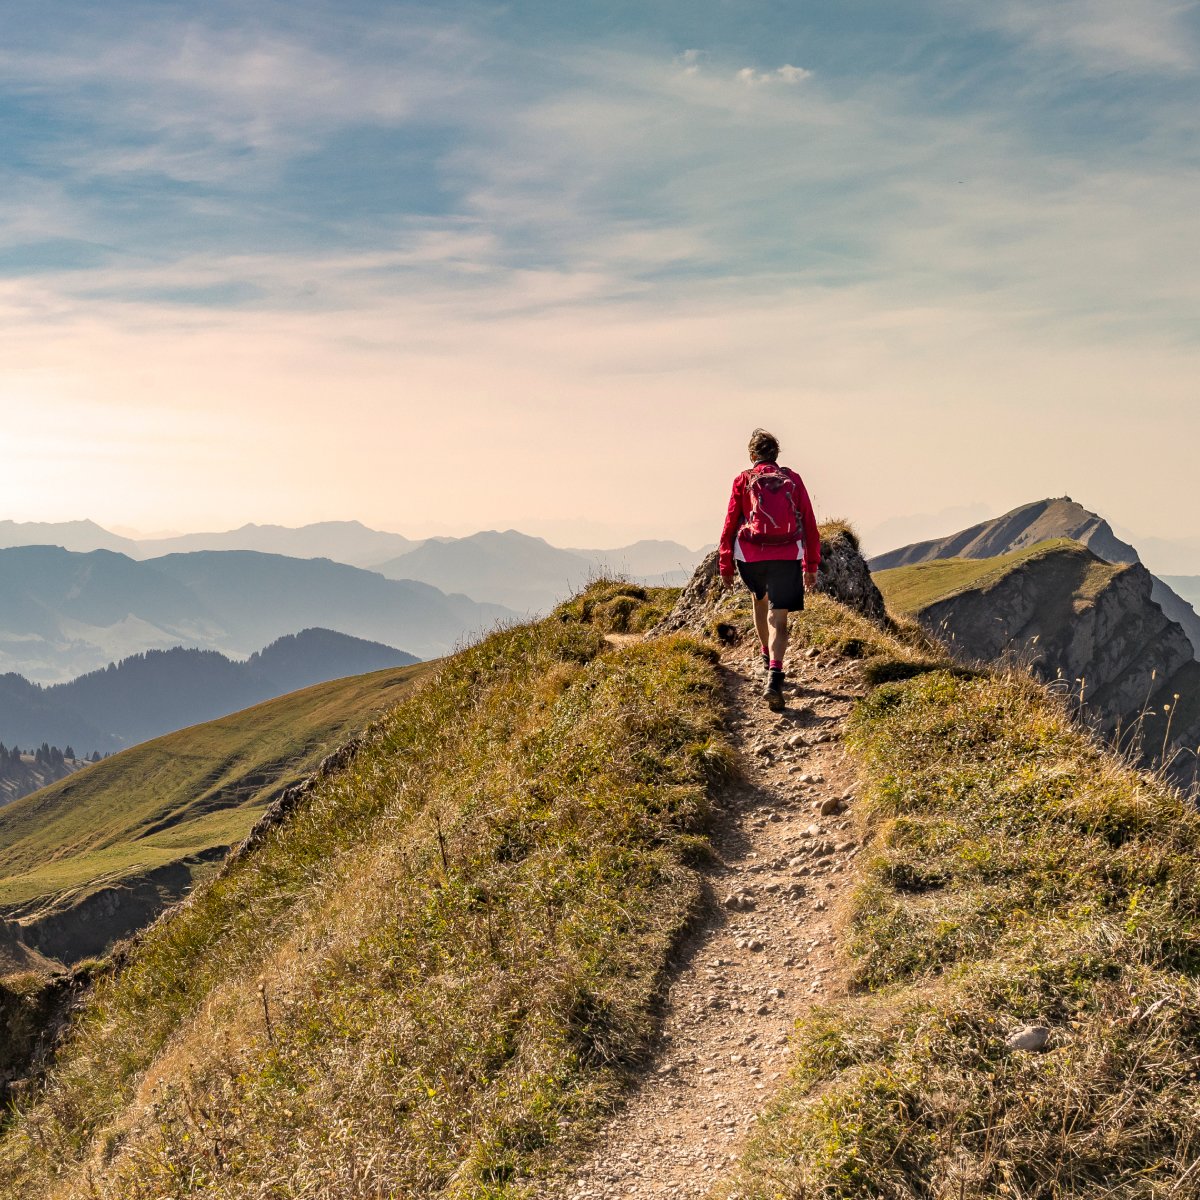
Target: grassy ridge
(912,589)
(179,794)
(1017,874)
(425,980)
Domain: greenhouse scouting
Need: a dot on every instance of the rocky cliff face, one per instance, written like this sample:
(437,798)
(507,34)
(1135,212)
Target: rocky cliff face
(1094,632)
(1043,521)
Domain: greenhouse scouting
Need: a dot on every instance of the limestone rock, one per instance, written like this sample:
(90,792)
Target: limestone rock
(844,575)
(1031,1038)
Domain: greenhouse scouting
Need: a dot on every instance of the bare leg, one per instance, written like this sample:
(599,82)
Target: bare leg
(761,621)
(779,633)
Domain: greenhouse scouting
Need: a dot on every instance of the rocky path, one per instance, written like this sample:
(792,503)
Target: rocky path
(766,953)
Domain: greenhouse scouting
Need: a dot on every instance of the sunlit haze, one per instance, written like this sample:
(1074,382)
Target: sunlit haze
(447,268)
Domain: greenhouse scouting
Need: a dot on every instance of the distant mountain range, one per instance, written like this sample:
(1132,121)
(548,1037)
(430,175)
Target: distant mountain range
(163,690)
(349,542)
(527,573)
(63,614)
(1045,520)
(507,568)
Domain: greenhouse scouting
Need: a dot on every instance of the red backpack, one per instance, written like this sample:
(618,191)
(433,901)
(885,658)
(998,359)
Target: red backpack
(774,518)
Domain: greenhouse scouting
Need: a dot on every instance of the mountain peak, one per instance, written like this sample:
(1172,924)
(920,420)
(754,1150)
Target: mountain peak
(1024,526)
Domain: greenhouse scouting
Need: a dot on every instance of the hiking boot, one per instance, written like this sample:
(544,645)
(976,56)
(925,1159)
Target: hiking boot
(773,692)
(766,661)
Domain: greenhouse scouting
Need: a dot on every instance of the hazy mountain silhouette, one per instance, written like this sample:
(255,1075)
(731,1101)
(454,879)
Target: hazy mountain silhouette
(149,694)
(348,542)
(80,536)
(648,561)
(527,573)
(256,598)
(509,567)
(63,614)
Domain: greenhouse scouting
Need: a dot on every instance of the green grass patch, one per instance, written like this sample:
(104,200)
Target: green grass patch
(177,795)
(912,589)
(613,606)
(1014,873)
(431,977)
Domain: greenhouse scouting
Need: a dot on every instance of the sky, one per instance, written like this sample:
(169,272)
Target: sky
(546,266)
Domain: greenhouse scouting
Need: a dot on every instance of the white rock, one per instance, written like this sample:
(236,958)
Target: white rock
(1033,1038)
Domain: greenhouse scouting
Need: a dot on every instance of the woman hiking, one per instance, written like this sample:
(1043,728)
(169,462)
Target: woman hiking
(771,535)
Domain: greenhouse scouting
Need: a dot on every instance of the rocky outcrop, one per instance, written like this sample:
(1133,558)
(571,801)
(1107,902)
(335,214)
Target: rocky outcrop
(1045,520)
(34,1011)
(844,576)
(1094,632)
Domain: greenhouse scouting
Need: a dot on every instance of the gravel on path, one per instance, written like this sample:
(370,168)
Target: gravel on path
(766,950)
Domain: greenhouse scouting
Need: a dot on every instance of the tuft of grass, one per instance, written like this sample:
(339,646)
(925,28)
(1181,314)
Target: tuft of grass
(435,974)
(613,606)
(1015,873)
(839,525)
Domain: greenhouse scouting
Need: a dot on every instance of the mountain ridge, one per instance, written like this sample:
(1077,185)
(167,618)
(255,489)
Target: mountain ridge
(64,613)
(158,691)
(1088,627)
(1039,521)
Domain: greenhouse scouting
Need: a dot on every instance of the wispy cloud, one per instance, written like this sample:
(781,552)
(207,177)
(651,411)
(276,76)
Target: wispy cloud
(1104,34)
(785,74)
(606,235)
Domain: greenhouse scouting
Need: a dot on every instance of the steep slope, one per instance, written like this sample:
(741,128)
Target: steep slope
(1086,625)
(1043,521)
(417,984)
(97,855)
(1026,526)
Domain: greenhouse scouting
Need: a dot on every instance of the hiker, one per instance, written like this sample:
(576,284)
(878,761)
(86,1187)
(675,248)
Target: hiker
(771,534)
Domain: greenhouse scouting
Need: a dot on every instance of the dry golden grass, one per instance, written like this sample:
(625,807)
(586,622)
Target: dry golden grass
(434,975)
(1017,874)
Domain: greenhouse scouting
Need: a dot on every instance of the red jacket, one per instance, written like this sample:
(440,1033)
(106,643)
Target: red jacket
(731,546)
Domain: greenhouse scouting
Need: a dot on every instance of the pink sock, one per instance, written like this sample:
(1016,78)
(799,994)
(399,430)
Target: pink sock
(776,664)
(764,650)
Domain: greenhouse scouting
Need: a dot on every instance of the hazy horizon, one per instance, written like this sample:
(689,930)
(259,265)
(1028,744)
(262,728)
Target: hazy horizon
(454,267)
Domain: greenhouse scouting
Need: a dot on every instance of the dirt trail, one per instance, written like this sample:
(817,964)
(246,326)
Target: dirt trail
(764,955)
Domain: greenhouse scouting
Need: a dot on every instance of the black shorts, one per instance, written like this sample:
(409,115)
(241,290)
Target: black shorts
(780,579)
